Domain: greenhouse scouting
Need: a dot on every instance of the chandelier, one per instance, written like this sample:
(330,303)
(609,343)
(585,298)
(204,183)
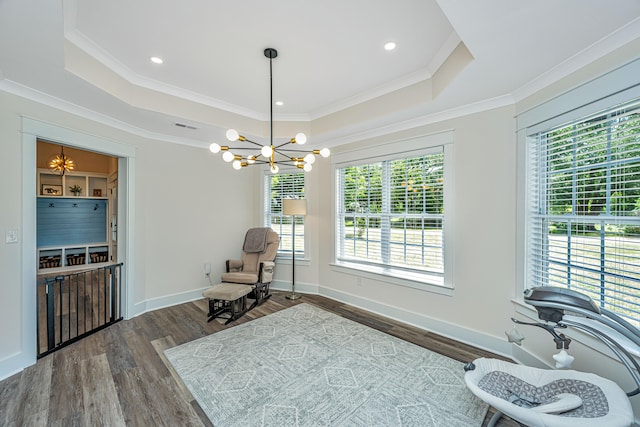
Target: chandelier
(255,153)
(62,163)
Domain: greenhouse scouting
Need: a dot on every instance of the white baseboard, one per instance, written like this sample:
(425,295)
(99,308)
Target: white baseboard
(303,288)
(183,297)
(167,301)
(13,364)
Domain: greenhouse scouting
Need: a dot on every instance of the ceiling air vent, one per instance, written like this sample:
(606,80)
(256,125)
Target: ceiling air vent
(182,125)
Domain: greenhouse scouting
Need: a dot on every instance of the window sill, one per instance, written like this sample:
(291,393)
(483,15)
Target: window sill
(423,282)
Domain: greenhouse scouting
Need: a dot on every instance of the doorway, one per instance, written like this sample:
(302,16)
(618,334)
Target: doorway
(33,129)
(78,277)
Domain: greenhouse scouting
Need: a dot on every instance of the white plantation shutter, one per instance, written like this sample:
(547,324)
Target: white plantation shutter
(391,212)
(583,228)
(278,187)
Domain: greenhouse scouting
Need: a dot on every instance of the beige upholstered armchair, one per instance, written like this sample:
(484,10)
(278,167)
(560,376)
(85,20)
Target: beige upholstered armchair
(257,265)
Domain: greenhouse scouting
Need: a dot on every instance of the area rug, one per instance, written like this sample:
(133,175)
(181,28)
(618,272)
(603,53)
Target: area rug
(304,366)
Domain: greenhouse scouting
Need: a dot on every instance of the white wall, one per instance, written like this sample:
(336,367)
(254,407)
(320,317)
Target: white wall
(185,210)
(10,218)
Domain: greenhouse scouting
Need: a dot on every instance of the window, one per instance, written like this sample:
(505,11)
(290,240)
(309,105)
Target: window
(390,216)
(583,228)
(278,187)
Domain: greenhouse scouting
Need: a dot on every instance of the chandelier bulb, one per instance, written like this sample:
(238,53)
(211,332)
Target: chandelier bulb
(266,151)
(232,135)
(325,152)
(251,159)
(310,159)
(236,164)
(300,138)
(214,148)
(274,168)
(228,156)
(307,167)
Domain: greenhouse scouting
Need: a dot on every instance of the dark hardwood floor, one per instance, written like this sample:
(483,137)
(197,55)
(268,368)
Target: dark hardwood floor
(119,375)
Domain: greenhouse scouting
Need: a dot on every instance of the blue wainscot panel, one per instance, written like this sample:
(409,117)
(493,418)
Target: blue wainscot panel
(71,221)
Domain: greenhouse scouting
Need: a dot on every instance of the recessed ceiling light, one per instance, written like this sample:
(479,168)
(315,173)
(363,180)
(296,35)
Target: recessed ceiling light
(156,60)
(279,103)
(389,46)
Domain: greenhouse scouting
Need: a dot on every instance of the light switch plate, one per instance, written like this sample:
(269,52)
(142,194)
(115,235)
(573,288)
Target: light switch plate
(11,236)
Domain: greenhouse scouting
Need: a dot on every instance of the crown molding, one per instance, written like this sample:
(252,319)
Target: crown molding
(86,45)
(22,91)
(392,86)
(428,119)
(590,54)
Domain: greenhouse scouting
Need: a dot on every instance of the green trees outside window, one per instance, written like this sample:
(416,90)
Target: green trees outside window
(584,228)
(391,213)
(278,187)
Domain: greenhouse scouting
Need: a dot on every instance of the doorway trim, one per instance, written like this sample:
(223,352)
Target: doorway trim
(33,129)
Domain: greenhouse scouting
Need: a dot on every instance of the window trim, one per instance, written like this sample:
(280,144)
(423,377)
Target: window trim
(284,256)
(412,147)
(574,259)
(616,87)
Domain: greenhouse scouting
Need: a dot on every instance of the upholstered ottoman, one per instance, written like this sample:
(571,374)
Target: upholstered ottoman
(227,300)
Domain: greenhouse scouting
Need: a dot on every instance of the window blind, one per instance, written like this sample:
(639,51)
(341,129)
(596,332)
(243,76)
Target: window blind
(277,188)
(584,208)
(391,213)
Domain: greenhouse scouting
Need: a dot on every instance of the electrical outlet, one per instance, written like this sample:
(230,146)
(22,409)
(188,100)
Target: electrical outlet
(207,268)
(11,236)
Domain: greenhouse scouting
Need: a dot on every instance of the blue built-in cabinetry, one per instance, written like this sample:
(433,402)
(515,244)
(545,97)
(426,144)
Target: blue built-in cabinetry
(71,220)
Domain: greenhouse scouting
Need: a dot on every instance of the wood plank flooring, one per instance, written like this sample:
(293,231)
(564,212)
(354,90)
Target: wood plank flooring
(119,376)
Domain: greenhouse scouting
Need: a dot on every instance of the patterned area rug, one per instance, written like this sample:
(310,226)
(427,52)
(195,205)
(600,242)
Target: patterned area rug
(304,366)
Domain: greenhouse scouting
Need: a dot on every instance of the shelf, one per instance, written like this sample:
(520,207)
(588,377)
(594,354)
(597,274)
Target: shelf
(55,259)
(92,185)
(65,246)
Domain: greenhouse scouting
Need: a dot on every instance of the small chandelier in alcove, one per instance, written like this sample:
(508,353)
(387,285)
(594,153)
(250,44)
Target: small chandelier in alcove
(62,163)
(271,154)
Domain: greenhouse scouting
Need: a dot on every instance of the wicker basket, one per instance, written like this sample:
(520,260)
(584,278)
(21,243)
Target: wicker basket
(75,259)
(98,257)
(50,261)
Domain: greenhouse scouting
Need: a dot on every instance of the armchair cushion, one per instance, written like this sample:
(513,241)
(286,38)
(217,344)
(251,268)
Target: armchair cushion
(240,277)
(234,265)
